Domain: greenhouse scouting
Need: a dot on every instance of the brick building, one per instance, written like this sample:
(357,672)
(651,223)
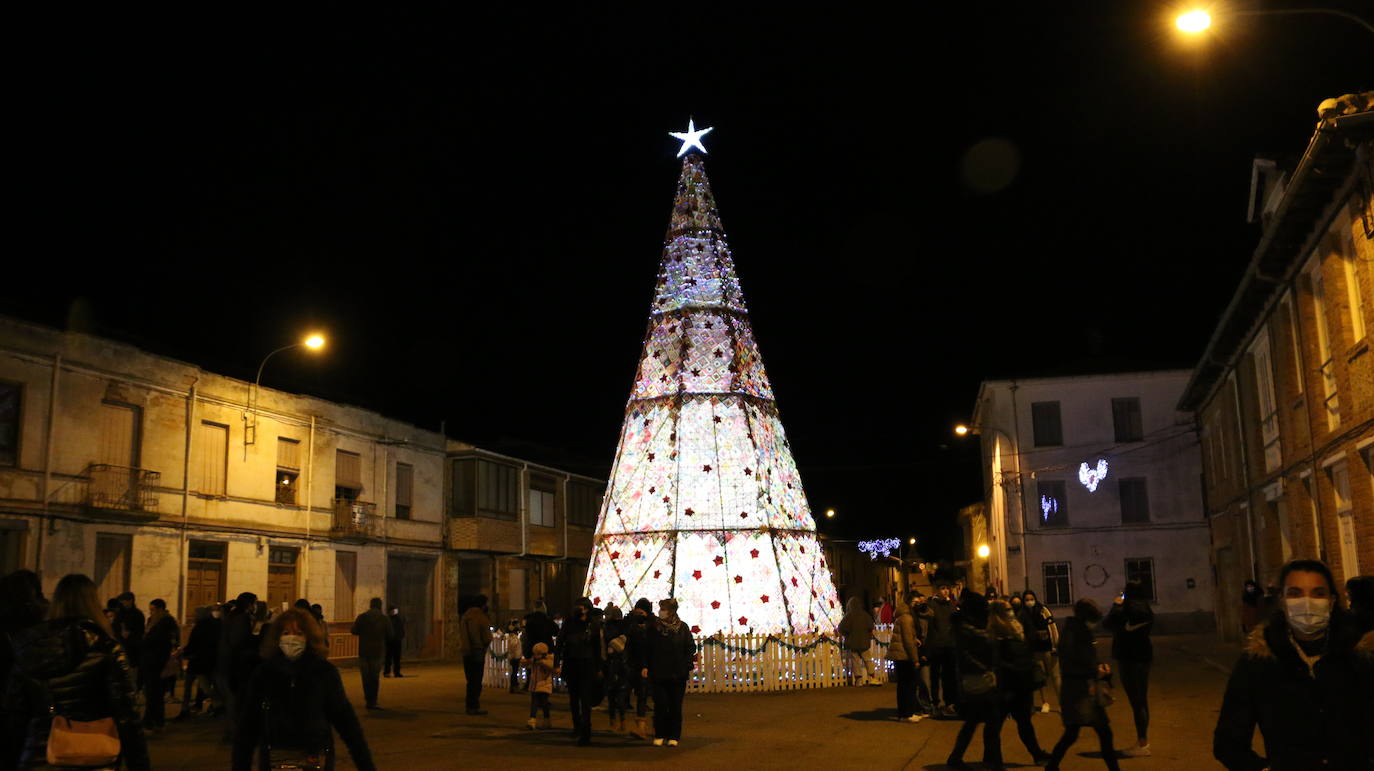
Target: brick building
(1284,393)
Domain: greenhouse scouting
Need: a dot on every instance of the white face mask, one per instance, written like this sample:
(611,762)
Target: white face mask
(293,645)
(1308,615)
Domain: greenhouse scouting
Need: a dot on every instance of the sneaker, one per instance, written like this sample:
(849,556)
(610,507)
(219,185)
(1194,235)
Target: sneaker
(1045,707)
(914,718)
(530,724)
(1138,751)
(672,742)
(658,742)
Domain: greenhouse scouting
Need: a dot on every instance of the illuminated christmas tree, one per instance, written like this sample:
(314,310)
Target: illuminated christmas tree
(704,503)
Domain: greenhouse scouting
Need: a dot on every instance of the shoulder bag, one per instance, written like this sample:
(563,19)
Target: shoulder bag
(80,743)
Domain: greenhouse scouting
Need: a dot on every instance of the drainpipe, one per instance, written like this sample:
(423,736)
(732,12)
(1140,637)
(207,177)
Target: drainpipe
(1244,476)
(309,479)
(186,497)
(47,462)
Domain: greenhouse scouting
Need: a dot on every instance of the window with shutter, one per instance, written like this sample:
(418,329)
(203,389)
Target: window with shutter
(1126,419)
(348,474)
(1135,501)
(405,479)
(1045,424)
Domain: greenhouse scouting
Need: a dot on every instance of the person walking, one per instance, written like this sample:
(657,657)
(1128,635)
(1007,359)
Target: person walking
(394,643)
(1016,674)
(980,699)
(161,637)
(1130,621)
(1042,637)
(940,651)
(856,627)
(295,701)
(373,630)
(1302,678)
(579,658)
(636,658)
(130,625)
(1086,686)
(904,651)
(474,637)
(617,668)
(200,654)
(72,667)
(540,662)
(671,659)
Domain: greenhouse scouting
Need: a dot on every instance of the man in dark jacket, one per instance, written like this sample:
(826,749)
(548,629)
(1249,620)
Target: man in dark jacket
(161,638)
(636,654)
(579,657)
(1131,620)
(200,653)
(539,628)
(373,631)
(940,650)
(474,637)
(129,627)
(393,643)
(236,656)
(1300,678)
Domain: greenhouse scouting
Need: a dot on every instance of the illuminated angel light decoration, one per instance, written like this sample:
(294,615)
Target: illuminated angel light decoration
(1048,505)
(883,547)
(704,503)
(1092,477)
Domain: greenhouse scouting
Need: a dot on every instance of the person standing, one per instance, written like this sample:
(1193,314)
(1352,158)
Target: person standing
(21,606)
(1360,592)
(130,625)
(295,702)
(538,628)
(579,658)
(980,697)
(200,654)
(1130,621)
(394,642)
(671,659)
(1303,679)
(540,663)
(904,651)
(514,651)
(71,666)
(857,630)
(1016,674)
(617,668)
(1042,637)
(474,637)
(940,651)
(1085,684)
(920,612)
(1250,597)
(636,655)
(317,613)
(373,629)
(160,638)
(236,656)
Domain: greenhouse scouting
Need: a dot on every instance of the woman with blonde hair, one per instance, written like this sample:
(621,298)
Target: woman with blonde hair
(294,699)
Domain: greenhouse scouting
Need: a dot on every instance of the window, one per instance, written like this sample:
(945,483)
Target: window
(1142,569)
(281,577)
(542,502)
(113,556)
(1135,501)
(497,490)
(584,504)
(345,585)
(1328,370)
(405,480)
(348,475)
(463,495)
(1268,404)
(1345,519)
(288,469)
(1054,509)
(1352,287)
(212,442)
(1045,423)
(1126,419)
(517,582)
(9,423)
(1292,312)
(1058,590)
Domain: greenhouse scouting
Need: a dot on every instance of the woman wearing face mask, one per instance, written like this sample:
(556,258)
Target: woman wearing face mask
(1302,678)
(1042,637)
(671,659)
(579,657)
(293,701)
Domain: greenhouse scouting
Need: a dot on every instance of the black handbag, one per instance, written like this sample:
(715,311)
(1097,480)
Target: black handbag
(280,759)
(978,683)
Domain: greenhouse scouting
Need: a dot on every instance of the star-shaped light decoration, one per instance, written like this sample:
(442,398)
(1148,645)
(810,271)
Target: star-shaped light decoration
(691,138)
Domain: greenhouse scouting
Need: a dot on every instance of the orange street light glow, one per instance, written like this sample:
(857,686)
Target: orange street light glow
(961,429)
(984,551)
(1194,22)
(314,341)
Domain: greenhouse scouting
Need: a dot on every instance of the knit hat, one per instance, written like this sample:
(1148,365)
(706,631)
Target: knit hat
(668,604)
(643,604)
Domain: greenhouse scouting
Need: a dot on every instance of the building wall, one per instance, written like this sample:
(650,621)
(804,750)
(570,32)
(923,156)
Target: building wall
(1096,542)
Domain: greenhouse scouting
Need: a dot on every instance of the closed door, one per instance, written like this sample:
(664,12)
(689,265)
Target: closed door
(408,586)
(281,577)
(113,554)
(205,571)
(345,585)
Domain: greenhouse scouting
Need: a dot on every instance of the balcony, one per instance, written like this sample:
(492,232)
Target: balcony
(354,520)
(122,489)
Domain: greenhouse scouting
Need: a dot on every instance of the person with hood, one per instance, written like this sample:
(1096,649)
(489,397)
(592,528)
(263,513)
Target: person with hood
(980,697)
(617,667)
(373,630)
(671,658)
(1250,597)
(580,659)
(474,637)
(1131,620)
(1086,685)
(200,653)
(71,666)
(21,606)
(904,651)
(540,662)
(857,630)
(1303,679)
(1042,637)
(1016,674)
(940,650)
(886,613)
(295,702)
(636,655)
(394,643)
(159,640)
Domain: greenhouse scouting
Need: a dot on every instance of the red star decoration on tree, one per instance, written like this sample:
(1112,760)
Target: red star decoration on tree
(651,456)
(689,512)
(666,499)
(803,549)
(744,515)
(754,553)
(764,598)
(652,490)
(596,600)
(813,592)
(739,579)
(743,620)
(617,511)
(706,468)
(696,574)
(615,555)
(658,573)
(719,354)
(794,580)
(696,629)
(715,604)
(696,373)
(638,555)
(719,560)
(832,603)
(622,583)
(748,471)
(715,418)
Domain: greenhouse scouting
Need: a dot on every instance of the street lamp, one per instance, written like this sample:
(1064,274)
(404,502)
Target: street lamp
(911,542)
(829,513)
(314,341)
(984,551)
(961,430)
(1197,21)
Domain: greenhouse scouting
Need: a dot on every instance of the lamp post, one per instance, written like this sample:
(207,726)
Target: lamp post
(1197,21)
(314,342)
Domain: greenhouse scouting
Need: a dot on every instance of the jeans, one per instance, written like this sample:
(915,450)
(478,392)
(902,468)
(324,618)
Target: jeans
(1135,681)
(538,701)
(580,676)
(906,688)
(942,673)
(668,695)
(472,670)
(858,666)
(393,658)
(1018,707)
(924,704)
(371,670)
(1104,736)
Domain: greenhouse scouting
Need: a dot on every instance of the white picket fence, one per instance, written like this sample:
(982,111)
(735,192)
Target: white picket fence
(743,663)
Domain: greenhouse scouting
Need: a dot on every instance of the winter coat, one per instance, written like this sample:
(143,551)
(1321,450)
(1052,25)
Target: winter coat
(1131,622)
(163,636)
(887,614)
(671,651)
(474,632)
(581,641)
(976,652)
(617,663)
(1042,633)
(129,625)
(203,647)
(238,648)
(905,644)
(940,633)
(398,627)
(373,629)
(637,641)
(1015,666)
(293,705)
(856,627)
(86,675)
(541,671)
(1311,716)
(1078,672)
(539,628)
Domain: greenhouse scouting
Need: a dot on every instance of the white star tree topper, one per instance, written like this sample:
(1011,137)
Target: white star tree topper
(690,138)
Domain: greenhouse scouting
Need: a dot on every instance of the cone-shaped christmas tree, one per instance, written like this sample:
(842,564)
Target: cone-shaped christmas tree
(704,502)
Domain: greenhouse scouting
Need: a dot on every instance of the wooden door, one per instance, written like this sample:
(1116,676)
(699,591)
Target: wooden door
(281,577)
(205,571)
(345,586)
(113,553)
(409,581)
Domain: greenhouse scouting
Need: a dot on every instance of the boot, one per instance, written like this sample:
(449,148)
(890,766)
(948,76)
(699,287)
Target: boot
(531,724)
(641,728)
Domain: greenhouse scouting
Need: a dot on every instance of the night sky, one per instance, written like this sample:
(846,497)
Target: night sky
(472,206)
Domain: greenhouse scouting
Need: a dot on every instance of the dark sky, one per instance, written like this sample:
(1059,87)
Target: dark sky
(473,205)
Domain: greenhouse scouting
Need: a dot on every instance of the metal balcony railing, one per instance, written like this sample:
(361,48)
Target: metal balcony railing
(121,488)
(354,519)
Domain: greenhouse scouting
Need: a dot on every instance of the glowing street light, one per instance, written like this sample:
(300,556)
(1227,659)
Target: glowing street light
(911,542)
(829,513)
(961,429)
(1197,21)
(984,551)
(1193,22)
(315,342)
